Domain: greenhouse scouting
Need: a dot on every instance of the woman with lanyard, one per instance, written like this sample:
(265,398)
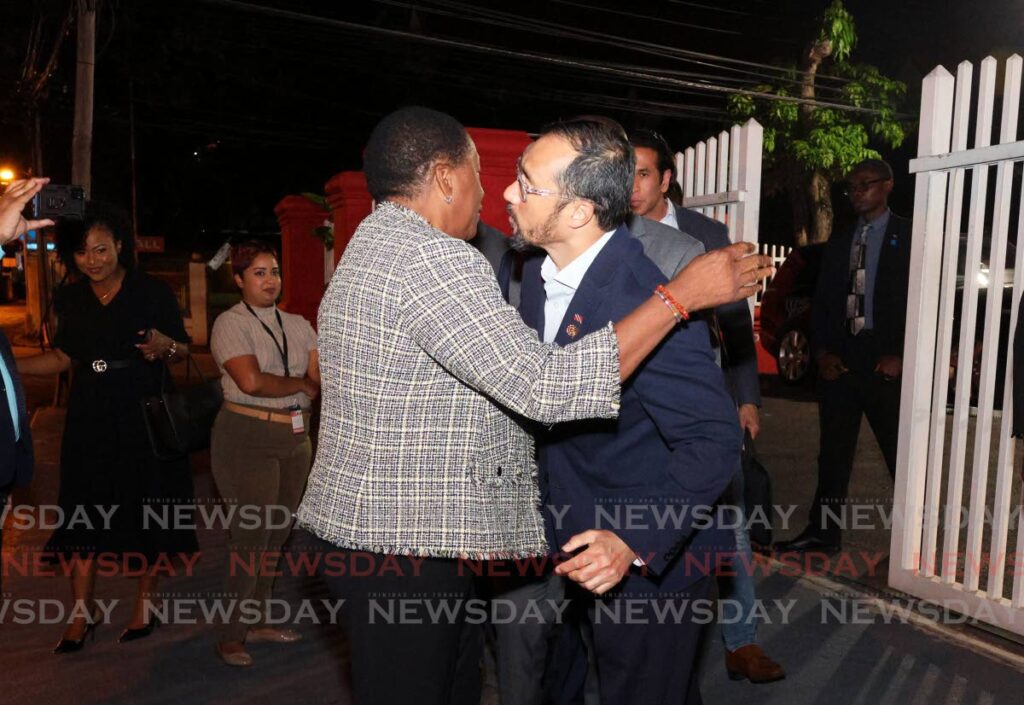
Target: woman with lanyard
(260,449)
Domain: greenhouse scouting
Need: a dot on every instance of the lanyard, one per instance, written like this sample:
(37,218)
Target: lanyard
(283,351)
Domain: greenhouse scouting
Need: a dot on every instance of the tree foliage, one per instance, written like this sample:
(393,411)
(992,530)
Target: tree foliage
(802,142)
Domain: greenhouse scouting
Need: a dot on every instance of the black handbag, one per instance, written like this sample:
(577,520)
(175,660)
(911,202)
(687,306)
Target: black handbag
(757,495)
(179,421)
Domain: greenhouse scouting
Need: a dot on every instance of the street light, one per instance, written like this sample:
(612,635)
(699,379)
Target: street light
(6,175)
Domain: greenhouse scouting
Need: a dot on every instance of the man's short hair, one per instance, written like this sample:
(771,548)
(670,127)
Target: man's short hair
(602,171)
(652,140)
(405,145)
(878,167)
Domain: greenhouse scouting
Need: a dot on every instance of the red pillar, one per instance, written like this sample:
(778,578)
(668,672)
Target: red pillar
(302,255)
(350,202)
(499,152)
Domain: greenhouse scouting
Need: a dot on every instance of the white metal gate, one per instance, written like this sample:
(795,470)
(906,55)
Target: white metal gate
(955,445)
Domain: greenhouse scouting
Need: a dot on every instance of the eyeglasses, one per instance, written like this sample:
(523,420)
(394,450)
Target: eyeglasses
(861,186)
(525,189)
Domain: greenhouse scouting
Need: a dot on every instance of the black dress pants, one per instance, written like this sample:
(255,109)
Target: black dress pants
(404,619)
(841,404)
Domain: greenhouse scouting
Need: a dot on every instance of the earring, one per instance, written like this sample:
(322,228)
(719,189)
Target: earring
(448,200)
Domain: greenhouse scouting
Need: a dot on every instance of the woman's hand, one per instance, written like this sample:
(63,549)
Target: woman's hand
(156,345)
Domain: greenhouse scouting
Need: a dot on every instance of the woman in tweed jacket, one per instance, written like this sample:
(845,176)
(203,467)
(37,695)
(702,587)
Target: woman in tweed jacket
(428,380)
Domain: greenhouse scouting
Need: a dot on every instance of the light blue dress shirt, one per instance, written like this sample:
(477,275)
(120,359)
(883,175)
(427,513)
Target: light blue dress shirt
(12,400)
(561,285)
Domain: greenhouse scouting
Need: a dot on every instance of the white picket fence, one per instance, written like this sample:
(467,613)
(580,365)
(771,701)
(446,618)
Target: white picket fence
(778,254)
(942,457)
(721,178)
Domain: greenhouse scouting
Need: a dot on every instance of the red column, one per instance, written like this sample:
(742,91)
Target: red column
(499,152)
(302,255)
(350,202)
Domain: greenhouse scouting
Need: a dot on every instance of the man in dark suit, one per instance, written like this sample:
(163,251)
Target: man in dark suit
(655,173)
(15,436)
(859,321)
(672,450)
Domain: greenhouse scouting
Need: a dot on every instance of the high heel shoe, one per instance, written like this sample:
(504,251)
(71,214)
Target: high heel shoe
(141,632)
(69,646)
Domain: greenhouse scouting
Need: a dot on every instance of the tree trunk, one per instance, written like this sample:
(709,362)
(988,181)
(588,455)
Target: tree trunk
(819,194)
(809,194)
(797,192)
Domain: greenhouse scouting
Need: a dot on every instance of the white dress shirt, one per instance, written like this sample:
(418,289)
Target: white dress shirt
(561,285)
(670,216)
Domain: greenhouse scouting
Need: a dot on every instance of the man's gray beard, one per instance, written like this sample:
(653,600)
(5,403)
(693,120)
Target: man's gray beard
(520,244)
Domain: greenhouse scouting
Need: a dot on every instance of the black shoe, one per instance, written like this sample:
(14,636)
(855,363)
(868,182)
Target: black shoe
(809,541)
(141,632)
(69,646)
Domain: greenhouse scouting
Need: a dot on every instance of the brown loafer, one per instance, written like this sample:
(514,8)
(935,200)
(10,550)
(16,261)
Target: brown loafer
(750,662)
(233,653)
(270,634)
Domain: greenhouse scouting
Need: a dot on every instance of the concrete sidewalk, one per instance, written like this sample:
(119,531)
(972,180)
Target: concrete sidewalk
(830,635)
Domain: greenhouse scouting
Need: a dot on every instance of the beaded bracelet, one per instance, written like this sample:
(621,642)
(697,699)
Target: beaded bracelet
(677,308)
(675,314)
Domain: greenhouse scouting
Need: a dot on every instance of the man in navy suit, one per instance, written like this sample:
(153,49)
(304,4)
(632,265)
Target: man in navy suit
(15,436)
(633,497)
(859,322)
(655,172)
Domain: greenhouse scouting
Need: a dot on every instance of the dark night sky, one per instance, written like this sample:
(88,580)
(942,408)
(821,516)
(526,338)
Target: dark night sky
(234,109)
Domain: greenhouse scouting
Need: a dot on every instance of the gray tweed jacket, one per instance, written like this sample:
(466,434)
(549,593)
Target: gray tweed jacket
(427,376)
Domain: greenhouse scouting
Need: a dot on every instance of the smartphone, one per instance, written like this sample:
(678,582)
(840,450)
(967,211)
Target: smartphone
(57,201)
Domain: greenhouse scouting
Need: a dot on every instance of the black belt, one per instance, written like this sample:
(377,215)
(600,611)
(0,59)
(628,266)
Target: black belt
(101,366)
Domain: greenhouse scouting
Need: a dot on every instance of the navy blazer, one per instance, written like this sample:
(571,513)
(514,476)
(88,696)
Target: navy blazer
(15,456)
(674,447)
(829,332)
(739,353)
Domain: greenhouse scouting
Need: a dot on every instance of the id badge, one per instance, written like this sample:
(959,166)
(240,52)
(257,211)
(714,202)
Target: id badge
(297,424)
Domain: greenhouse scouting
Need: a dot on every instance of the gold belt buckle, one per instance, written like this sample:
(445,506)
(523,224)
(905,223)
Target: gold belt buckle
(99,366)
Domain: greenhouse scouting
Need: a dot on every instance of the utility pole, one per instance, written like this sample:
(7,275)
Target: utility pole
(81,144)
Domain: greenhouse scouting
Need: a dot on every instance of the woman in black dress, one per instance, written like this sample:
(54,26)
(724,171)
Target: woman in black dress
(117,329)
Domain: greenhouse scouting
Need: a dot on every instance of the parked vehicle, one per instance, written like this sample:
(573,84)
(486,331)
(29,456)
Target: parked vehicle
(786,313)
(788,300)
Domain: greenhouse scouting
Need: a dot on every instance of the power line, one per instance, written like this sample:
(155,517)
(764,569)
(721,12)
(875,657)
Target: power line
(660,20)
(472,13)
(530,56)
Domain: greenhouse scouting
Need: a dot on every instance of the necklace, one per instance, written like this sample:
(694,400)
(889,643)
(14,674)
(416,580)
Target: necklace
(110,291)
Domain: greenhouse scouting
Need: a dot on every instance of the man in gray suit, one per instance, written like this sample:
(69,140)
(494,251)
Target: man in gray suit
(655,171)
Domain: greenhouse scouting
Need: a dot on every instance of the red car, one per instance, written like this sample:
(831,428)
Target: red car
(786,313)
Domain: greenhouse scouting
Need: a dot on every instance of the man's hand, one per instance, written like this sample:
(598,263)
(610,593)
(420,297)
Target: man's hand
(599,568)
(721,276)
(830,367)
(750,419)
(890,367)
(12,223)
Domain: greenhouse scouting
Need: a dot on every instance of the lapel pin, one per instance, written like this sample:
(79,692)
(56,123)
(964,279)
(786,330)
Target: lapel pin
(578,318)
(571,330)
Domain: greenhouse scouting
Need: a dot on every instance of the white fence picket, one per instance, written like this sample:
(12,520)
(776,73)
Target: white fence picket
(940,389)
(968,315)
